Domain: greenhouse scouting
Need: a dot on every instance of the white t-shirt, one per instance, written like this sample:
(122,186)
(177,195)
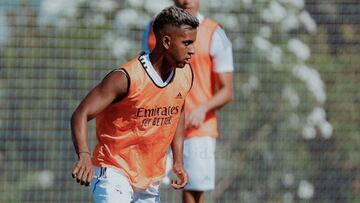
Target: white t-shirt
(220,50)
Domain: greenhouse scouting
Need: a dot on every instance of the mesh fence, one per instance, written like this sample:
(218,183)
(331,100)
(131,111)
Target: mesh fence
(291,135)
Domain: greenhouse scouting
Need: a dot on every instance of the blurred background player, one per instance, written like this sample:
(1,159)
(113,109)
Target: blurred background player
(212,64)
(139,115)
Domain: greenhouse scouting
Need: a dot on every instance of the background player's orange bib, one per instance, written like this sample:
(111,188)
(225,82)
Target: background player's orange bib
(205,79)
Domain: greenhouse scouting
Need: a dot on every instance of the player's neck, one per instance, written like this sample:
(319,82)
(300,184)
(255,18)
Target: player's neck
(160,64)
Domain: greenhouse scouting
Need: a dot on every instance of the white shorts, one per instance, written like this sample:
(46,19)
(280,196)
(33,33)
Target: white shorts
(111,186)
(199,163)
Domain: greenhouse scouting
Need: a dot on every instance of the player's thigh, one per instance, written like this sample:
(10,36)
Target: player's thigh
(149,195)
(108,186)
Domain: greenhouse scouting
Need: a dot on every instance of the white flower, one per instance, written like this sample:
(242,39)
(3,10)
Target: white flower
(104,5)
(313,81)
(121,46)
(130,17)
(275,56)
(275,13)
(299,3)
(326,129)
(56,12)
(309,132)
(272,53)
(45,178)
(308,22)
(300,49)
(317,116)
(288,179)
(136,3)
(126,17)
(118,45)
(291,22)
(59,8)
(155,6)
(98,19)
(305,190)
(291,95)
(262,44)
(228,20)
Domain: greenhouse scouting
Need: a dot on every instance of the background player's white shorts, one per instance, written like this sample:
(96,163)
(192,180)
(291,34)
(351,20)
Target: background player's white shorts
(111,186)
(199,163)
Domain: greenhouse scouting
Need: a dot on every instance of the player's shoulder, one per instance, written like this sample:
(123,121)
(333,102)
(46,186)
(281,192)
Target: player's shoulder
(210,20)
(117,75)
(116,81)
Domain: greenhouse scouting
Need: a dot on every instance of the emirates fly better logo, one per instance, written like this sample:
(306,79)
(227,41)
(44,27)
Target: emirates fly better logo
(158,115)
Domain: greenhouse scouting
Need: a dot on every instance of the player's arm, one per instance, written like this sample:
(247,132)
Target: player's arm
(223,96)
(221,52)
(177,146)
(113,86)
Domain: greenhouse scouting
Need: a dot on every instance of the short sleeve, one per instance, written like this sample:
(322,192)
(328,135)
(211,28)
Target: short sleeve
(221,52)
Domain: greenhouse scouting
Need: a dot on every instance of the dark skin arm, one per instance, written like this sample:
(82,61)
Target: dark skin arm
(111,87)
(177,150)
(223,96)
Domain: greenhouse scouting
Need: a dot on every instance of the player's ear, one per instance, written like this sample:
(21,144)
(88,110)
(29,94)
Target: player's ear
(166,41)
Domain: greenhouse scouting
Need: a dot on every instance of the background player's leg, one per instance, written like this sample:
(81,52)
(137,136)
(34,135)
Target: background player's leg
(193,196)
(199,163)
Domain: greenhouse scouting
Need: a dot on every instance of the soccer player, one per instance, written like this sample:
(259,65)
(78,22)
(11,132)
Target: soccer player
(212,64)
(139,114)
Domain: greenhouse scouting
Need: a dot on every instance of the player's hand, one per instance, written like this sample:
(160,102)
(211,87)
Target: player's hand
(180,173)
(196,117)
(83,170)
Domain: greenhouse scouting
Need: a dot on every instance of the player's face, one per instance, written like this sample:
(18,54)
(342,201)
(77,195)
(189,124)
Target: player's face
(182,45)
(192,6)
